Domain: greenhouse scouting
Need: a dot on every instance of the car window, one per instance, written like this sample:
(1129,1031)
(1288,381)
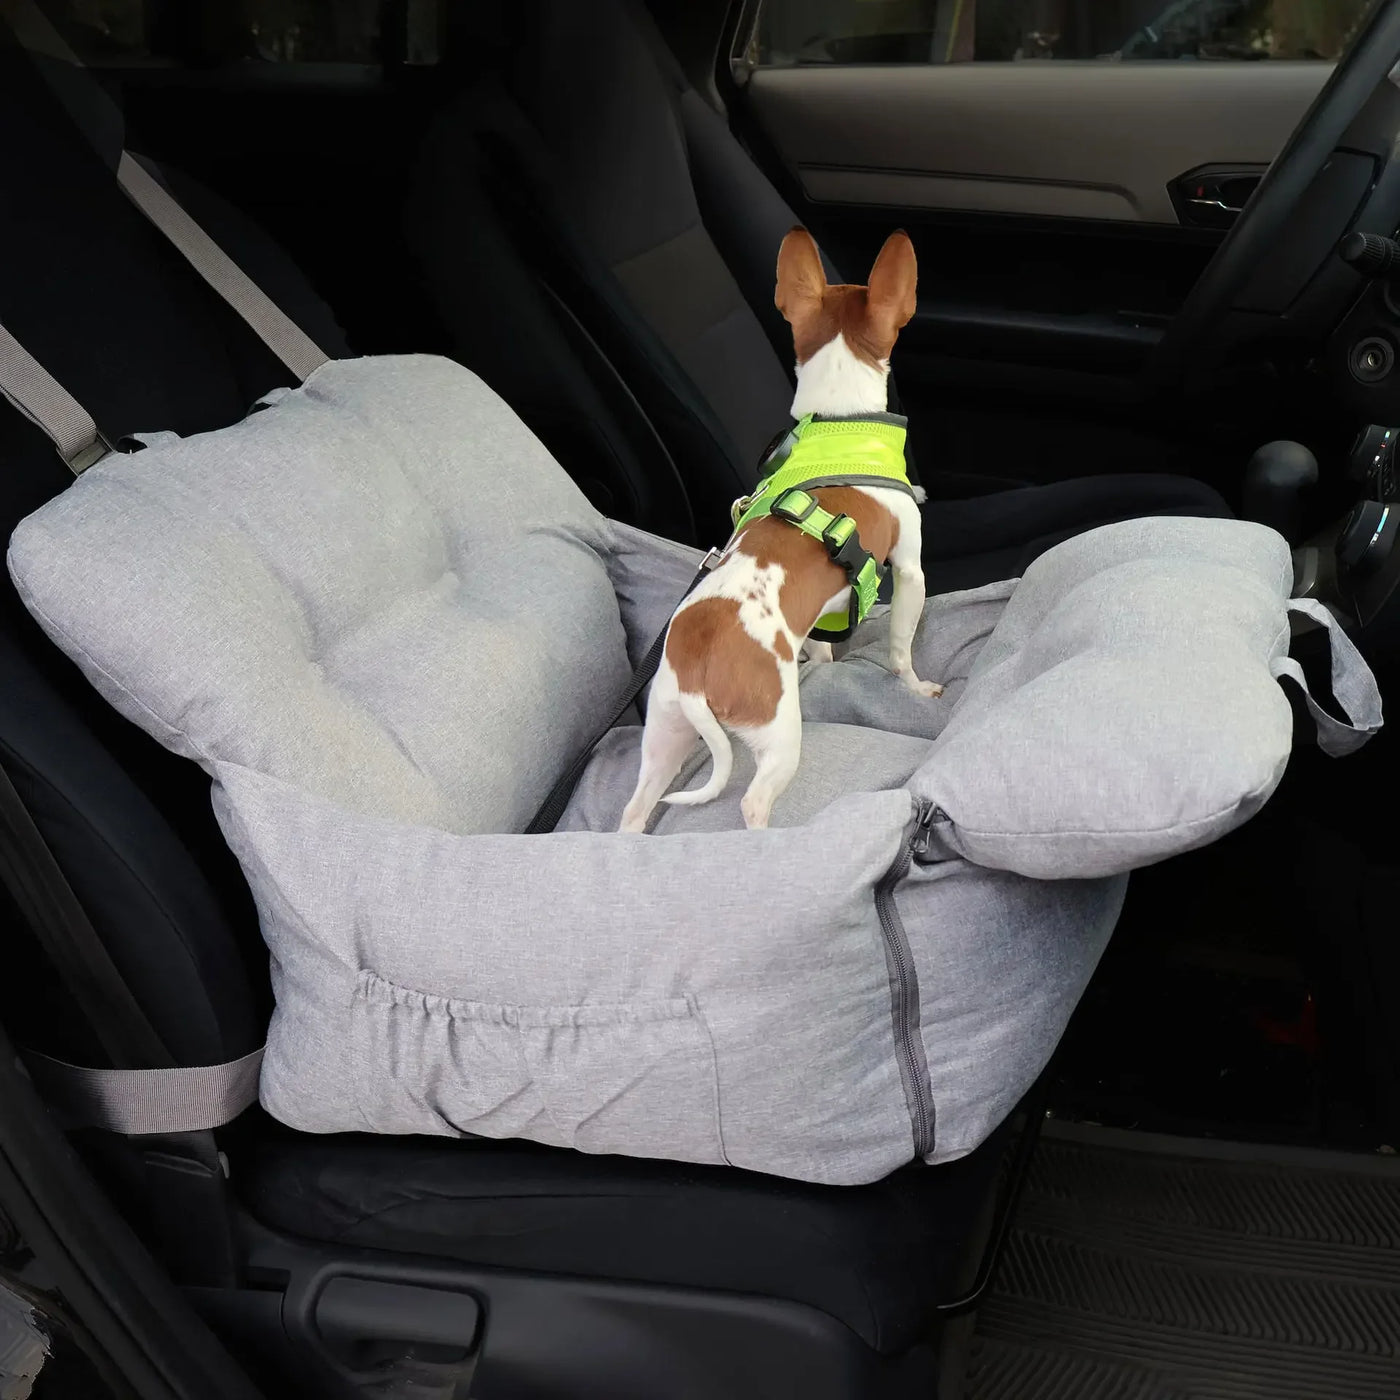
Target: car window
(792,32)
(175,32)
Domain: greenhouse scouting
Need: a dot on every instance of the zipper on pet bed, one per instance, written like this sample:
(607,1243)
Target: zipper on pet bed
(904,984)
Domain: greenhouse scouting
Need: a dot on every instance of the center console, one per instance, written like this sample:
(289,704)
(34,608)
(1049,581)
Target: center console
(1353,564)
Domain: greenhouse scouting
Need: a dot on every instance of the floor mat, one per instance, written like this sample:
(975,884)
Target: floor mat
(1141,1268)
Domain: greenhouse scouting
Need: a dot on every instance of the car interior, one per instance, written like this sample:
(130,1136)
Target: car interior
(1156,278)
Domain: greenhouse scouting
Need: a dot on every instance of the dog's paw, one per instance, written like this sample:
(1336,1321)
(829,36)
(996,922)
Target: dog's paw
(930,690)
(817,652)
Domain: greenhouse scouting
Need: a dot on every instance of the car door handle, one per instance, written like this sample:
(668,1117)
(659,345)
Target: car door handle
(1213,196)
(1215,204)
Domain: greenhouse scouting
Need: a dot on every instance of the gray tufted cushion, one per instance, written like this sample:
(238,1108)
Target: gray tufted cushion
(379,587)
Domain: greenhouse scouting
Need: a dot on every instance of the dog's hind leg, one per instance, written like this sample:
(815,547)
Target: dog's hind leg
(777,750)
(666,743)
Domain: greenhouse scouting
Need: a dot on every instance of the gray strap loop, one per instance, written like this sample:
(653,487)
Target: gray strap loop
(47,404)
(1353,685)
(186,1099)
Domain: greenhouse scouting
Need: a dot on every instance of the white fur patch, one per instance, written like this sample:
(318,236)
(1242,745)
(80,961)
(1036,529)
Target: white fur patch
(756,590)
(836,382)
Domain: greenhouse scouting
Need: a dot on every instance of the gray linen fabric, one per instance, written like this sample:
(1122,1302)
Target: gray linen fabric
(383,620)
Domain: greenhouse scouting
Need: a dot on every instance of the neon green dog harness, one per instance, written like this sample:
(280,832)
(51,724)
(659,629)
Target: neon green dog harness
(866,451)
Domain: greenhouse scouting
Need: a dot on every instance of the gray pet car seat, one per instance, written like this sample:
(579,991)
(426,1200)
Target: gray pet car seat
(383,620)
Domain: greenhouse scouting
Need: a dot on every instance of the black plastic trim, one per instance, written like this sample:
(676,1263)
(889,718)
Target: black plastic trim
(101,1269)
(555,1337)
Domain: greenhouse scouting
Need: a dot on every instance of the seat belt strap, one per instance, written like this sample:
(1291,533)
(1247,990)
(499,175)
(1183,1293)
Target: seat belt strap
(148,1093)
(102,124)
(46,902)
(170,1110)
(184,1099)
(269,322)
(48,405)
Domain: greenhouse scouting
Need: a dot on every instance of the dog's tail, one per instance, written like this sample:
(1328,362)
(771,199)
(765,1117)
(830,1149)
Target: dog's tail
(698,712)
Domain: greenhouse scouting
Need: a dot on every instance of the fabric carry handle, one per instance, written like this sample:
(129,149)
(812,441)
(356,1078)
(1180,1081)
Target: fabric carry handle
(1353,685)
(103,126)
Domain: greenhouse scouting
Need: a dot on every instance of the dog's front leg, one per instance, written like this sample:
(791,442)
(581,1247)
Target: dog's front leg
(906,608)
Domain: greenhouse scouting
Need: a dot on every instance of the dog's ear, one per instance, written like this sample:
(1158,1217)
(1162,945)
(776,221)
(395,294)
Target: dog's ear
(894,281)
(801,279)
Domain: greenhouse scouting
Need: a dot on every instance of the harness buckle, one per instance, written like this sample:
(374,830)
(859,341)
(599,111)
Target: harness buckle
(794,505)
(843,545)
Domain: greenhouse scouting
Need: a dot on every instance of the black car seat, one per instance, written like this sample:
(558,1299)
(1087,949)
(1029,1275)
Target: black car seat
(594,1276)
(578,146)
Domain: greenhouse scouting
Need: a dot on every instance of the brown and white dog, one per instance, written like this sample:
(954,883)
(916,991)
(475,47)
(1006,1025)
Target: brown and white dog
(731,649)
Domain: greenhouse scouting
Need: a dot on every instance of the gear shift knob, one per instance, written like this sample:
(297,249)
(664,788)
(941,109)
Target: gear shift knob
(1275,480)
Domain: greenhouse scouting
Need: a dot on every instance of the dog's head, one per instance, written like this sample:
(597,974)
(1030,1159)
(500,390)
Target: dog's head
(868,318)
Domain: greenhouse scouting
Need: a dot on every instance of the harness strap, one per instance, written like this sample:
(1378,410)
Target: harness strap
(863,450)
(838,534)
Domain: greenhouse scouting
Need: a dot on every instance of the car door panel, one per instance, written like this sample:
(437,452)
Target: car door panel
(1090,140)
(1051,248)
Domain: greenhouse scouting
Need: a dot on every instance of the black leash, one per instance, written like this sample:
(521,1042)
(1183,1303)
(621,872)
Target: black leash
(552,808)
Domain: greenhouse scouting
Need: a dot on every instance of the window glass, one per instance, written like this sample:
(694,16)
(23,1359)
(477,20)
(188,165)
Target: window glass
(961,31)
(101,31)
(312,31)
(426,19)
(228,31)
